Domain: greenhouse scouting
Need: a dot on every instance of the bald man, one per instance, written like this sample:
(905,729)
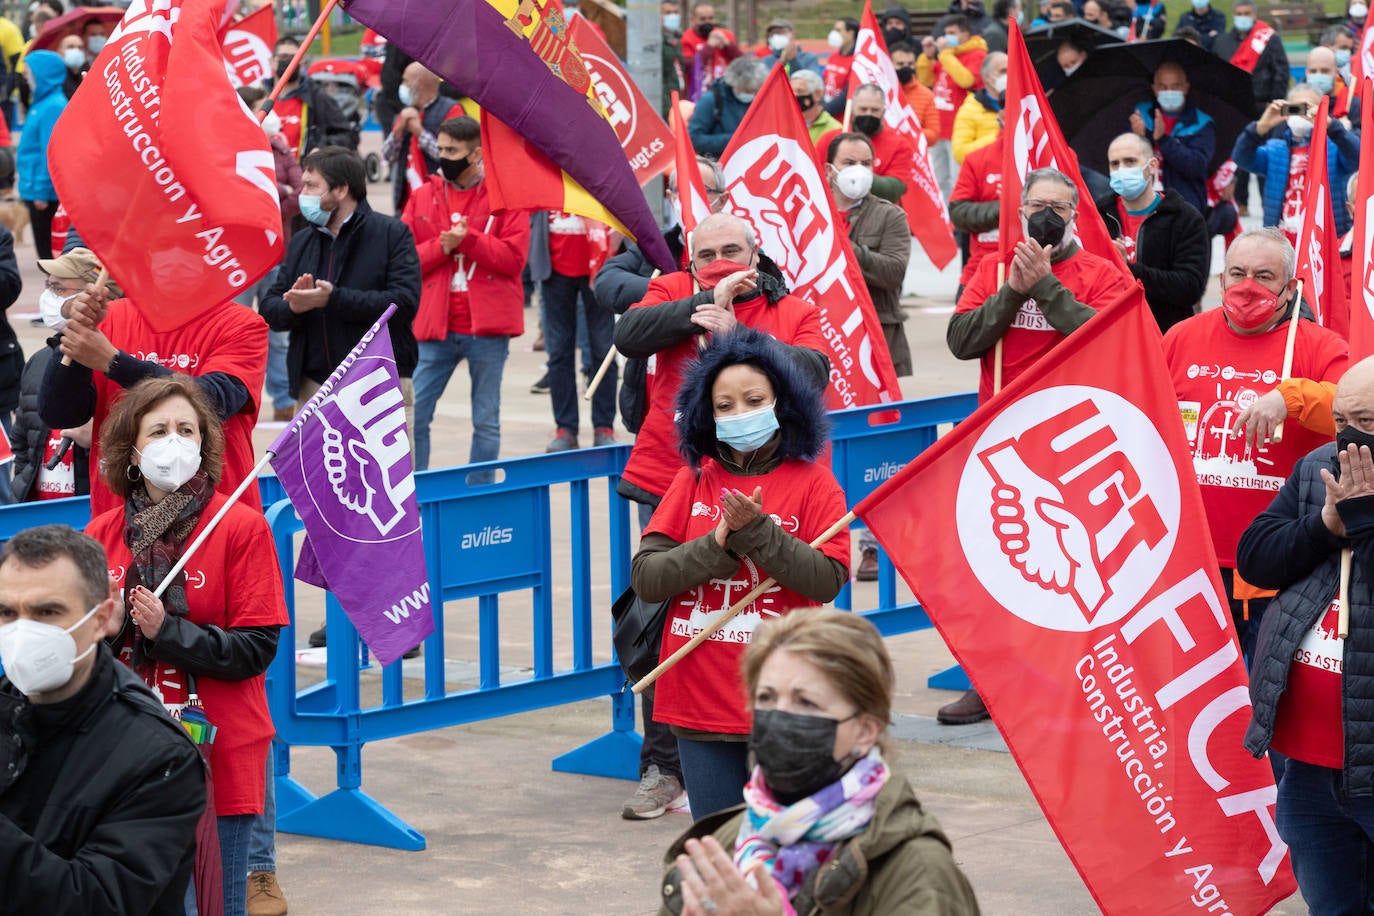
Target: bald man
(416,129)
(1183,137)
(1162,237)
(1308,686)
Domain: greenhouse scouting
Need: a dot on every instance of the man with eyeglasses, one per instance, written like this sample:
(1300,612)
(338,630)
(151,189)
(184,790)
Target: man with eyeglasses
(1048,289)
(727,281)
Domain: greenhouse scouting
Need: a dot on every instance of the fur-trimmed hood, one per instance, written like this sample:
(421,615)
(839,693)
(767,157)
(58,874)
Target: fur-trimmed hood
(800,407)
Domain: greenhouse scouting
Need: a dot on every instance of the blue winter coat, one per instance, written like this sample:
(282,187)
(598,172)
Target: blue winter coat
(31,159)
(804,60)
(1271,159)
(1187,151)
(715,118)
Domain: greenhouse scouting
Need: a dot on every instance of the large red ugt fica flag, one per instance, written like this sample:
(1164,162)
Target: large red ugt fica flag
(773,183)
(165,173)
(1057,540)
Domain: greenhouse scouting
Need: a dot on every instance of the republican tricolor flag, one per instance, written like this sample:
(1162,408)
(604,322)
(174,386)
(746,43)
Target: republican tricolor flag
(1033,141)
(1058,541)
(1319,266)
(926,214)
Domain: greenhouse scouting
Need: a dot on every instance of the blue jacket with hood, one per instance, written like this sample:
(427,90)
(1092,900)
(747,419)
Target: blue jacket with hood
(31,160)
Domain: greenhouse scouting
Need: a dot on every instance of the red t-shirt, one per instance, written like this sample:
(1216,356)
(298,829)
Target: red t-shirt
(1216,374)
(289,110)
(1130,225)
(569,252)
(1307,726)
(980,179)
(1092,279)
(231,339)
(836,74)
(60,482)
(233,580)
(460,203)
(1290,218)
(704,690)
(892,153)
(655,458)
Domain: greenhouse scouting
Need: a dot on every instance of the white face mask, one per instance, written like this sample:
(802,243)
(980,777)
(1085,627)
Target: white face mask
(40,657)
(1358,11)
(998,84)
(169,462)
(835,39)
(777,43)
(854,181)
(1300,126)
(50,308)
(271,125)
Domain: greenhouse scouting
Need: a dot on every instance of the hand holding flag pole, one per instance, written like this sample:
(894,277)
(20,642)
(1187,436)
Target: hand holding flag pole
(611,354)
(733,612)
(1277,434)
(100,281)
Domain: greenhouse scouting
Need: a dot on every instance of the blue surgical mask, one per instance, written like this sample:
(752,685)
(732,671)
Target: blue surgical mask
(746,432)
(1322,82)
(745,97)
(952,41)
(1171,100)
(1343,58)
(1200,4)
(405,95)
(672,22)
(96,43)
(1244,23)
(311,210)
(1130,183)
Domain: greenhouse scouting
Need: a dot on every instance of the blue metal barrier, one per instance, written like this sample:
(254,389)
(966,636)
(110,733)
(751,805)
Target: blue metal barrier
(494,542)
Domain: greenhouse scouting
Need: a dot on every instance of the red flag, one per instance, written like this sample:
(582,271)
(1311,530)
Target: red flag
(1035,142)
(926,214)
(773,182)
(1362,270)
(1319,265)
(248,46)
(1362,64)
(417,170)
(188,214)
(1057,540)
(642,131)
(691,192)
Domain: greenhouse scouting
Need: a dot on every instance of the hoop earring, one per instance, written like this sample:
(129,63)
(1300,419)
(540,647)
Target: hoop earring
(133,473)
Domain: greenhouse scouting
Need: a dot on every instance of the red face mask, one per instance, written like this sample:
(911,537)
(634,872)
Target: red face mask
(1249,305)
(718,270)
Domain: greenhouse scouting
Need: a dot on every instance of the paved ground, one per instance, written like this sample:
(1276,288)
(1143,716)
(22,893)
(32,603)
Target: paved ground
(507,835)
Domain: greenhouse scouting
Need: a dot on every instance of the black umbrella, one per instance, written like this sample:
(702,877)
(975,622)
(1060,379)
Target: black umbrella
(1042,44)
(1094,105)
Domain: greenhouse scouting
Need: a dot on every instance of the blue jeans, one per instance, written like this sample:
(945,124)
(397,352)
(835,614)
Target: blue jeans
(1330,837)
(714,773)
(486,358)
(233,858)
(262,838)
(562,298)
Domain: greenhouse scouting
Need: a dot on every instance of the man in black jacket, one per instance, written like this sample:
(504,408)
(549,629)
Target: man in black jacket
(1310,685)
(1163,238)
(1267,66)
(100,790)
(339,276)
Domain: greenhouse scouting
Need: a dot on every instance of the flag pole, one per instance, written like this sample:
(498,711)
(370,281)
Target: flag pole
(997,350)
(1277,434)
(296,61)
(611,354)
(1343,617)
(734,612)
(219,516)
(100,280)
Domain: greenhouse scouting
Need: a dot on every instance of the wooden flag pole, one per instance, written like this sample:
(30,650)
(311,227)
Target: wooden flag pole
(295,64)
(1277,434)
(611,354)
(997,350)
(100,280)
(1343,617)
(733,612)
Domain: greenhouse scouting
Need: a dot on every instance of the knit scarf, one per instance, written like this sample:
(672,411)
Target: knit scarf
(792,841)
(155,533)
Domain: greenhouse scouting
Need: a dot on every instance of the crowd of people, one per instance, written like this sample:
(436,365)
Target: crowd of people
(775,734)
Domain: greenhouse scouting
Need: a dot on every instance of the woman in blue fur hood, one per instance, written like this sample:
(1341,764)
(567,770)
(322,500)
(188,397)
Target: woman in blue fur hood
(745,509)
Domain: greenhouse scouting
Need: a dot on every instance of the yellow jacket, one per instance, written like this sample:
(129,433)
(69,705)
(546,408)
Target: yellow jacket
(974,126)
(948,58)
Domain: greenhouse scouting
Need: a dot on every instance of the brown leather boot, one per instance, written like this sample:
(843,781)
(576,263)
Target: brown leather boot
(966,710)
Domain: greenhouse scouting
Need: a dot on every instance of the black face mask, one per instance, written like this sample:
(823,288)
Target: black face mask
(704,29)
(906,74)
(281,67)
(795,753)
(868,125)
(892,36)
(806,102)
(1046,227)
(1352,436)
(452,168)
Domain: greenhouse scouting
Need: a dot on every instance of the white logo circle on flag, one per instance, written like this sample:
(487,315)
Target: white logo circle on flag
(1068,508)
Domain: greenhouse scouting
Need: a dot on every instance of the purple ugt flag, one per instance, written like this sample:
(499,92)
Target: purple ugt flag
(345,463)
(536,85)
